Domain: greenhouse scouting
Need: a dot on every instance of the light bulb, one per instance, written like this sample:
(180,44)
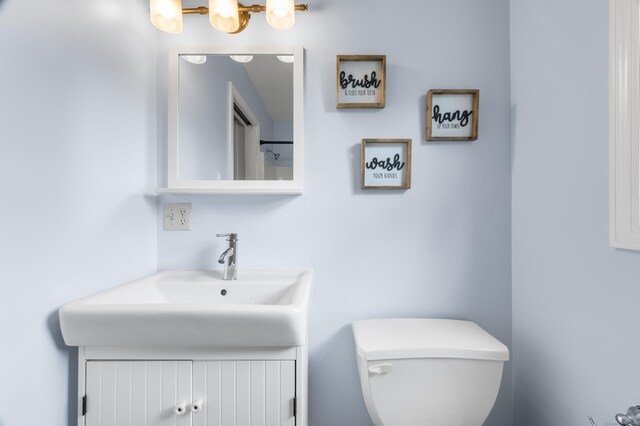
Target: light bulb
(223,15)
(280,13)
(225,10)
(166,15)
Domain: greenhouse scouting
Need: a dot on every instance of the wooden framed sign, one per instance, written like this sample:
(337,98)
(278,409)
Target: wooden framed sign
(452,115)
(385,164)
(360,81)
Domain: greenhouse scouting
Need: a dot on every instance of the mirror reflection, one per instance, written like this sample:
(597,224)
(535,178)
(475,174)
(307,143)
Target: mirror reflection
(235,117)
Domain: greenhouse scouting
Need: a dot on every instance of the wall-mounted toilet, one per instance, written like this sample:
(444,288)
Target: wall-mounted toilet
(428,372)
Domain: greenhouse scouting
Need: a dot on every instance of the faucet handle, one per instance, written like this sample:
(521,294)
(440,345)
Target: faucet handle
(632,418)
(232,236)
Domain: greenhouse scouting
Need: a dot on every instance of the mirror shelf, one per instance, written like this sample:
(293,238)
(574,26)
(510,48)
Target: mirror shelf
(234,128)
(247,190)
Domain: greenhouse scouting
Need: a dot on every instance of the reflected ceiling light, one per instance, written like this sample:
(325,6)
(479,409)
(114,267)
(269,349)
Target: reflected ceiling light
(195,59)
(242,58)
(166,15)
(287,59)
(227,16)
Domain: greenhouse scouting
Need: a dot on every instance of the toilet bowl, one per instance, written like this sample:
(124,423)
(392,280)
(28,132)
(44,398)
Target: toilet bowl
(428,372)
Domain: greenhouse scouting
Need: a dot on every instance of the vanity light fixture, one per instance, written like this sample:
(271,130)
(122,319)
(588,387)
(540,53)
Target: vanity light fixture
(227,16)
(166,15)
(224,15)
(280,13)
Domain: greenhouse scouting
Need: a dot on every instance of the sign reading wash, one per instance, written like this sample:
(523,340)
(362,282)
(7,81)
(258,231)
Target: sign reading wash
(385,164)
(452,115)
(360,81)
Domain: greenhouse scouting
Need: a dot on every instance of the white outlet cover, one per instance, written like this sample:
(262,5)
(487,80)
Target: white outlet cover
(177,217)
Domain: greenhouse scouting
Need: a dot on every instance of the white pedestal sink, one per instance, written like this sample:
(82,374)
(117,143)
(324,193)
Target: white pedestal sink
(194,308)
(177,341)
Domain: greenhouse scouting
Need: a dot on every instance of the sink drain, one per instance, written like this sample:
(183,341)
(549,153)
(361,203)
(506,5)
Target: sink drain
(223,292)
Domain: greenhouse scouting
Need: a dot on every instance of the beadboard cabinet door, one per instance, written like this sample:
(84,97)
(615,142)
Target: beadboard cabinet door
(138,393)
(244,393)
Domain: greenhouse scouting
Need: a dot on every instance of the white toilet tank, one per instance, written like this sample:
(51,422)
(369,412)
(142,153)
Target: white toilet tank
(428,372)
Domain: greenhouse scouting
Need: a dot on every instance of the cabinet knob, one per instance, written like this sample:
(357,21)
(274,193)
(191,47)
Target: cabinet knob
(196,406)
(180,409)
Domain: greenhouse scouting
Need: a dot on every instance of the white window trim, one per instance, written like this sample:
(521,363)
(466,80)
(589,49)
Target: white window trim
(624,124)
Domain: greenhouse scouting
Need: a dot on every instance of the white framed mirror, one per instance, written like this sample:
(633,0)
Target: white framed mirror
(235,120)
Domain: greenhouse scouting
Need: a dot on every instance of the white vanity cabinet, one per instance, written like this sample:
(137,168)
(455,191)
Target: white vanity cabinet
(257,389)
(188,348)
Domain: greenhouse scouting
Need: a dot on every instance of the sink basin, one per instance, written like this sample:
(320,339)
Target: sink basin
(194,308)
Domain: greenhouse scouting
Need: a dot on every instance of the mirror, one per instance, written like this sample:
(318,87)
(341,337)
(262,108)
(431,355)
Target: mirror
(235,120)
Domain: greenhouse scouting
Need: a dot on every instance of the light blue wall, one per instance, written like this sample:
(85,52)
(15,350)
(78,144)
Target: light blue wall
(77,134)
(440,249)
(282,130)
(575,316)
(77,156)
(78,120)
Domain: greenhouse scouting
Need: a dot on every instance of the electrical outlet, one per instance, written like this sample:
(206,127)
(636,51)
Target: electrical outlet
(177,217)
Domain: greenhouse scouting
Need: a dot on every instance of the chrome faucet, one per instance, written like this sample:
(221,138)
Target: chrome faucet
(632,417)
(229,257)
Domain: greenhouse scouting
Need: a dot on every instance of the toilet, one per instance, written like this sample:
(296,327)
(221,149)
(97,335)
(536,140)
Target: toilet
(428,372)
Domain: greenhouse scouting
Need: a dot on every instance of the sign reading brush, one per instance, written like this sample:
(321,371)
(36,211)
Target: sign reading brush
(360,81)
